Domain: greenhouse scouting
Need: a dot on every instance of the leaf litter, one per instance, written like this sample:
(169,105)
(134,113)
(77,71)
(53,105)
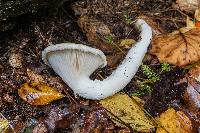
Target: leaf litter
(117,19)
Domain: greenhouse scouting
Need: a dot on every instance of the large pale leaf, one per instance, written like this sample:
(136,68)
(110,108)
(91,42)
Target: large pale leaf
(38,93)
(129,111)
(178,48)
(174,122)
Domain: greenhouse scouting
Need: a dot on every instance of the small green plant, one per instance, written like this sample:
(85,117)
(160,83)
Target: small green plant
(109,39)
(145,85)
(151,75)
(128,19)
(137,93)
(146,88)
(165,67)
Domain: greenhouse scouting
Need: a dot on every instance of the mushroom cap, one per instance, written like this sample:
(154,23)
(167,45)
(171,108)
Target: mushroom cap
(72,46)
(73,62)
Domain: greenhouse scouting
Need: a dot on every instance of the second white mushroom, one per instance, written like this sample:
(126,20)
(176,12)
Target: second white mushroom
(74,63)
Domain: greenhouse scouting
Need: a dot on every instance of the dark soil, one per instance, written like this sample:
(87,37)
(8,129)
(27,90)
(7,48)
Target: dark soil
(34,32)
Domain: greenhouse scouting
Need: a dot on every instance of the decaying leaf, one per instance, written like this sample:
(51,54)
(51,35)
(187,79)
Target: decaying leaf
(127,43)
(197,14)
(95,31)
(174,122)
(156,28)
(96,121)
(177,48)
(195,72)
(62,116)
(193,23)
(40,128)
(189,23)
(38,93)
(192,96)
(188,5)
(129,111)
(15,59)
(4,124)
(114,59)
(34,77)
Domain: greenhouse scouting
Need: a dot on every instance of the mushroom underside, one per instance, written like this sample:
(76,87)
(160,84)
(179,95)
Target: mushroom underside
(74,63)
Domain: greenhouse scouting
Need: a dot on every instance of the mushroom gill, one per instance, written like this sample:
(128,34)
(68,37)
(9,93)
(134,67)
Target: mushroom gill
(74,63)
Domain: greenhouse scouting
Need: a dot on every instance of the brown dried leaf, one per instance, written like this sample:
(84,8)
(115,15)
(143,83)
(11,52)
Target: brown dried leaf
(38,93)
(114,59)
(192,96)
(195,72)
(34,76)
(40,128)
(94,29)
(174,122)
(63,116)
(96,121)
(157,29)
(15,59)
(188,5)
(177,48)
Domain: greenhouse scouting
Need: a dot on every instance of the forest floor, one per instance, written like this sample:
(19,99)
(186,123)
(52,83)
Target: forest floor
(20,55)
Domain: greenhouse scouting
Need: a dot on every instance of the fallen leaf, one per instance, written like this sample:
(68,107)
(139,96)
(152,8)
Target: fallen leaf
(177,48)
(114,59)
(192,96)
(40,128)
(95,32)
(4,124)
(128,111)
(34,77)
(95,120)
(188,5)
(156,28)
(62,116)
(174,122)
(38,93)
(190,23)
(15,59)
(195,72)
(138,100)
(193,23)
(127,43)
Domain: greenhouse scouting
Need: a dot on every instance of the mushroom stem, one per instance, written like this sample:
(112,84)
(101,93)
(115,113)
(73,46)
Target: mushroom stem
(96,90)
(125,71)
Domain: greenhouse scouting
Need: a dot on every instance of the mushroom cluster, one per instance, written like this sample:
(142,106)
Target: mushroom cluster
(74,63)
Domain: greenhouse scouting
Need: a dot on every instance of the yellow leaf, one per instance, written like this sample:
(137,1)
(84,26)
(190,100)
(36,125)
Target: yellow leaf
(38,93)
(4,124)
(190,23)
(127,42)
(128,111)
(174,122)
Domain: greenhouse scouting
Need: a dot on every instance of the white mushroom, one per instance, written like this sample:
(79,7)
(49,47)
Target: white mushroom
(74,63)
